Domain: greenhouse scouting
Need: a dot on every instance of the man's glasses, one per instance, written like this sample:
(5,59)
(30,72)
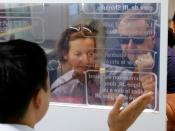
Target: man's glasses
(136,40)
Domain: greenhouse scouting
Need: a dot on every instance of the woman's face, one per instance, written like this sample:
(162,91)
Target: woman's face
(81,54)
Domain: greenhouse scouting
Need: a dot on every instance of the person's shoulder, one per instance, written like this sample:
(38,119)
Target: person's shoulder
(65,85)
(8,127)
(14,127)
(62,79)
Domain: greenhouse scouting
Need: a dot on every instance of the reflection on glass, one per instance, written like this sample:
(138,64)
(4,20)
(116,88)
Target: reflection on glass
(96,51)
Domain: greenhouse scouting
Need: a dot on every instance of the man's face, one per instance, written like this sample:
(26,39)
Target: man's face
(133,39)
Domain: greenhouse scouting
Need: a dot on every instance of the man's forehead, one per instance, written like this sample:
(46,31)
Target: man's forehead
(132,27)
(133,22)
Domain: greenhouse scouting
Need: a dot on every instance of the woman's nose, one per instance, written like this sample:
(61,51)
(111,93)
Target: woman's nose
(84,58)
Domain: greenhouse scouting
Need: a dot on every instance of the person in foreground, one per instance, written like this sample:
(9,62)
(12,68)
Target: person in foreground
(25,90)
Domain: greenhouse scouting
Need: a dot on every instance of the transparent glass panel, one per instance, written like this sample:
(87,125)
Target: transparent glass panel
(95,50)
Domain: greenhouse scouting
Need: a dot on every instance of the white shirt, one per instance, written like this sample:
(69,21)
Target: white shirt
(15,127)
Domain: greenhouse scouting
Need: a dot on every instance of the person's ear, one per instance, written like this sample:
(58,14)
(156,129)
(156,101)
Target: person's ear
(38,99)
(65,57)
(39,104)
